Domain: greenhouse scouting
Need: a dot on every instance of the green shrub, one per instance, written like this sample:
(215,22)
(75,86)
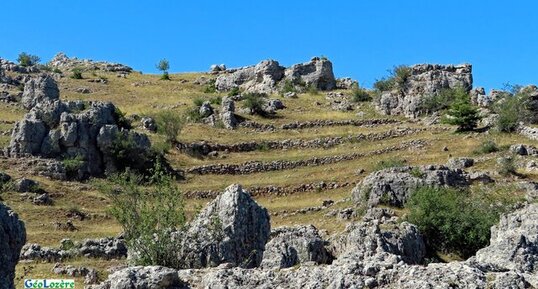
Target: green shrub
(128,154)
(234,91)
(169,124)
(26,59)
(288,87)
(360,95)
(441,100)
(198,101)
(462,113)
(506,166)
(121,120)
(397,79)
(72,165)
(76,73)
(452,221)
(512,109)
(486,147)
(217,100)
(255,102)
(210,88)
(390,163)
(57,70)
(312,89)
(148,215)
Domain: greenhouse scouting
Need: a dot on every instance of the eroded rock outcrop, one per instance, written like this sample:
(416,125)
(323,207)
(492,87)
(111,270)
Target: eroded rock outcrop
(84,132)
(267,76)
(61,61)
(513,244)
(378,252)
(424,80)
(233,228)
(290,246)
(394,186)
(39,90)
(12,238)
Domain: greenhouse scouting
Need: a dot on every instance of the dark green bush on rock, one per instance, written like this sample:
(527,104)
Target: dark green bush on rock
(453,221)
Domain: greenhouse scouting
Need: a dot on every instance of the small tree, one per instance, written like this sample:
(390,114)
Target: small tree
(26,59)
(169,124)
(462,113)
(149,215)
(255,102)
(163,66)
(513,108)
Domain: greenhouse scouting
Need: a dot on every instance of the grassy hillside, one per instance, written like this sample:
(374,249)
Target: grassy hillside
(146,94)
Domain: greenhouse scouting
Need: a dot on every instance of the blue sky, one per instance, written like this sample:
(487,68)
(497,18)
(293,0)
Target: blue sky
(362,38)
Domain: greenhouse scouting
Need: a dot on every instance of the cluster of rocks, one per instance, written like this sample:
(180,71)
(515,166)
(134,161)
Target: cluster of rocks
(378,252)
(528,131)
(205,148)
(7,65)
(257,166)
(424,80)
(226,115)
(273,190)
(394,186)
(268,76)
(86,132)
(90,275)
(12,238)
(104,248)
(346,83)
(62,62)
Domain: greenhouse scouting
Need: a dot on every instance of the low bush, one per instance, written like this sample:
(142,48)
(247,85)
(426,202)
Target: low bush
(453,221)
(360,95)
(506,166)
(72,165)
(128,154)
(169,124)
(234,91)
(389,163)
(512,109)
(76,73)
(255,102)
(486,147)
(148,215)
(397,79)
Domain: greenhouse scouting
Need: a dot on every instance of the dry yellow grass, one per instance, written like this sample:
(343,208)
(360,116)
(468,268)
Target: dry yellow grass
(146,95)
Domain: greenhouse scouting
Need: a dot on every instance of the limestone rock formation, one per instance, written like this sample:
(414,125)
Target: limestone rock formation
(233,228)
(290,246)
(262,77)
(318,72)
(150,277)
(39,90)
(394,186)
(513,244)
(61,61)
(369,238)
(375,253)
(424,81)
(76,130)
(266,76)
(12,238)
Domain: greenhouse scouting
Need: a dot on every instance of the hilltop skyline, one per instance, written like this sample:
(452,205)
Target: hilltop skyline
(363,40)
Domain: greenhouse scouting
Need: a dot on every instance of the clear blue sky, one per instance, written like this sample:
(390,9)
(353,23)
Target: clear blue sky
(362,38)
